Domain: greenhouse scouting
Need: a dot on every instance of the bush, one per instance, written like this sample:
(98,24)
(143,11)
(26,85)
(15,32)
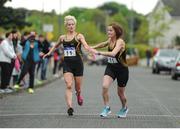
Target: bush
(140,48)
(177,40)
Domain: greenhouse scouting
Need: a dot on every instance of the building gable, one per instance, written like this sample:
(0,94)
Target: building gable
(174,5)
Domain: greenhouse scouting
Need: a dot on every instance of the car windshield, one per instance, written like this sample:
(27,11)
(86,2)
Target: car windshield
(168,53)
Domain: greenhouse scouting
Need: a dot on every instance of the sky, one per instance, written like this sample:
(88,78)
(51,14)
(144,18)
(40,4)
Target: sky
(60,6)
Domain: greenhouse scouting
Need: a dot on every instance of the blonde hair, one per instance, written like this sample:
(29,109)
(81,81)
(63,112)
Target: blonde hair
(69,17)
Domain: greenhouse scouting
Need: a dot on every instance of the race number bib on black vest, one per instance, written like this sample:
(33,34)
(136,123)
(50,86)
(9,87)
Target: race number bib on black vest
(69,51)
(112,60)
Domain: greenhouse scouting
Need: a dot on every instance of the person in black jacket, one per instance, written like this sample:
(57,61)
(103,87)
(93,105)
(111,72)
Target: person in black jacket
(148,56)
(45,46)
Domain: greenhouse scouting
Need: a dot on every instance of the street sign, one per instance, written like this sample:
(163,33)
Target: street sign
(47,27)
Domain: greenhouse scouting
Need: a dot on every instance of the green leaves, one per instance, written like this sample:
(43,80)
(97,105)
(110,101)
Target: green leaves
(10,18)
(177,40)
(91,22)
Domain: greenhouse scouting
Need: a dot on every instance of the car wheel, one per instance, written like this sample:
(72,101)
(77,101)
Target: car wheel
(174,77)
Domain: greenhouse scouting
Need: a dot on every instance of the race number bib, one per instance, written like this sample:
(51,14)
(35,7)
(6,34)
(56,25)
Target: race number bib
(69,51)
(112,60)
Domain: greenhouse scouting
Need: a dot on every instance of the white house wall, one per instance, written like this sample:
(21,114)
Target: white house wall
(169,35)
(174,31)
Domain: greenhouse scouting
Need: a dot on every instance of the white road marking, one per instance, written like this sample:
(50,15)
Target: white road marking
(65,114)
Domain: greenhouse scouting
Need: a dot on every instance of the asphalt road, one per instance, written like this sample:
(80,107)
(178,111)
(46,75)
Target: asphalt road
(153,100)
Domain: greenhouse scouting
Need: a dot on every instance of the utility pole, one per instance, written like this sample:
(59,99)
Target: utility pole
(60,17)
(132,24)
(43,14)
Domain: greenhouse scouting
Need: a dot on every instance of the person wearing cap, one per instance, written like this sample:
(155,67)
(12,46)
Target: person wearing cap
(30,56)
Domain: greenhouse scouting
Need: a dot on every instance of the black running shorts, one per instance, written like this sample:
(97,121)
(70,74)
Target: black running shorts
(119,72)
(75,67)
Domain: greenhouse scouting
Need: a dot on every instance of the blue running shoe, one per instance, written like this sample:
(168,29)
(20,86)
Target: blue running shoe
(123,112)
(106,111)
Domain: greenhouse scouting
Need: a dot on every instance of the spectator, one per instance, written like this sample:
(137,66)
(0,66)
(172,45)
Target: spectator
(1,39)
(17,67)
(45,46)
(61,60)
(155,50)
(7,57)
(56,56)
(18,51)
(15,39)
(40,45)
(148,56)
(24,38)
(30,56)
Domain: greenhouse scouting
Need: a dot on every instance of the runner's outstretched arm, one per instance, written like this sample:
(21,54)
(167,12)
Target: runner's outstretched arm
(120,46)
(100,45)
(85,45)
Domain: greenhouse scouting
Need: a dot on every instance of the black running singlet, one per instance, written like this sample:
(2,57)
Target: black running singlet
(120,57)
(72,49)
(73,57)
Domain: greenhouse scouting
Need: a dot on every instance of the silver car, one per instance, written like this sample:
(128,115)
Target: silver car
(175,73)
(164,60)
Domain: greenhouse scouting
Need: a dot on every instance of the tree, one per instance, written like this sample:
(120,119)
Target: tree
(75,11)
(119,18)
(160,24)
(177,40)
(91,32)
(12,18)
(141,35)
(2,2)
(129,19)
(113,8)
(100,20)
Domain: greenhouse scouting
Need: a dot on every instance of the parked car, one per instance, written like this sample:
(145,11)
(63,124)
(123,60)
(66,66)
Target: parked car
(164,60)
(175,72)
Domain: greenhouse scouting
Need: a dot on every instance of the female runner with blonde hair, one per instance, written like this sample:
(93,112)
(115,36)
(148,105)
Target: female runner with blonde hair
(73,64)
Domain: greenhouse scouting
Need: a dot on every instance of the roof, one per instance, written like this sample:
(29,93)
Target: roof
(174,5)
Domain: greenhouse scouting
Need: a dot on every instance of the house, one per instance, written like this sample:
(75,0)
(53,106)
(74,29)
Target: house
(164,23)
